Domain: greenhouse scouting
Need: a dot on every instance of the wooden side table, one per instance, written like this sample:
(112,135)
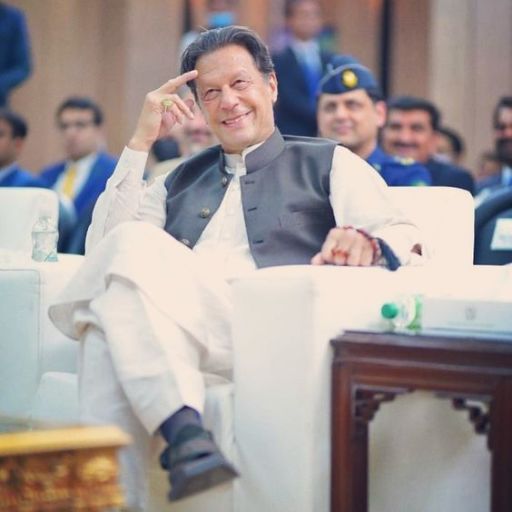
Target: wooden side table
(60,469)
(370,368)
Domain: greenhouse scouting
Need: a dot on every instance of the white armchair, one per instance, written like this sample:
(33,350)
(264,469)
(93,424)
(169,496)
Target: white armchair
(20,207)
(274,421)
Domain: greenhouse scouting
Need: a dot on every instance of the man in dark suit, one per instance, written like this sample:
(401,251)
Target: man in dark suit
(411,132)
(81,177)
(13,131)
(15,61)
(503,140)
(299,68)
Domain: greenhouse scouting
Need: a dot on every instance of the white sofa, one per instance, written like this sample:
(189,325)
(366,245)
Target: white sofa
(274,420)
(38,364)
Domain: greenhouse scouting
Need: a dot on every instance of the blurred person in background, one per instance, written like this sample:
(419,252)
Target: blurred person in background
(488,165)
(411,132)
(502,120)
(351,110)
(13,132)
(15,59)
(219,13)
(81,177)
(299,68)
(449,146)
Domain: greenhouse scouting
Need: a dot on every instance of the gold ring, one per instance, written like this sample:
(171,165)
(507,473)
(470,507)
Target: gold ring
(167,103)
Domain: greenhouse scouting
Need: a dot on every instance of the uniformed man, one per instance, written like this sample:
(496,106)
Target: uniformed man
(351,110)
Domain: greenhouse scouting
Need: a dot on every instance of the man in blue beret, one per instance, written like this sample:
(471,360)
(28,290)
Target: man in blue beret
(351,110)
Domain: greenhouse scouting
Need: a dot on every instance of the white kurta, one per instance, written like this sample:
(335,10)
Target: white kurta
(155,316)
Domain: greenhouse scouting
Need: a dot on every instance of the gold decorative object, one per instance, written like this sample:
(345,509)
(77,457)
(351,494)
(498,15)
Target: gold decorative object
(349,79)
(65,469)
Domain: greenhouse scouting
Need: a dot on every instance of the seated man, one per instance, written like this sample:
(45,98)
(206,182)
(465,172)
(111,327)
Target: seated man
(351,110)
(152,302)
(81,177)
(502,120)
(13,132)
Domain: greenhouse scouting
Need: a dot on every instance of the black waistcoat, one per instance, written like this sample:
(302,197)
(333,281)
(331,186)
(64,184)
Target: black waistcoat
(285,197)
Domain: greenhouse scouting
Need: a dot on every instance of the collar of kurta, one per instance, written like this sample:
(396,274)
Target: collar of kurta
(258,158)
(265,153)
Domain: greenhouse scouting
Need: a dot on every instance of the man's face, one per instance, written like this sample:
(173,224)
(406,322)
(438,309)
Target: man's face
(409,133)
(352,119)
(236,99)
(80,135)
(444,149)
(503,135)
(10,147)
(305,20)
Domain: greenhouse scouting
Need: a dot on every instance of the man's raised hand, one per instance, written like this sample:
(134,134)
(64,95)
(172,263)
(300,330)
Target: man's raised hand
(162,109)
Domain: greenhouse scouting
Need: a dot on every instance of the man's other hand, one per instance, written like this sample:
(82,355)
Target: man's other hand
(347,246)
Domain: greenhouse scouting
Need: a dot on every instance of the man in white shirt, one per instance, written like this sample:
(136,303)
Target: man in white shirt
(154,311)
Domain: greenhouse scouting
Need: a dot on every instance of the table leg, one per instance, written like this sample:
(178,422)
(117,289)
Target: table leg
(349,468)
(501,447)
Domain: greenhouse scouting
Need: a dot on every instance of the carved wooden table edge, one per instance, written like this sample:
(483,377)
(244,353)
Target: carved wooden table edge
(70,468)
(370,368)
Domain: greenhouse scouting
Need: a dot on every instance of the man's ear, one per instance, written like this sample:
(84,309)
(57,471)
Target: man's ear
(272,81)
(18,144)
(381,112)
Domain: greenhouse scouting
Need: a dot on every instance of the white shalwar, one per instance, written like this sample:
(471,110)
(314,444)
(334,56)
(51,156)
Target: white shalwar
(153,316)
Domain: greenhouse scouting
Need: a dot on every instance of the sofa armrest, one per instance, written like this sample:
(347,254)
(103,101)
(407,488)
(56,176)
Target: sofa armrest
(19,340)
(284,319)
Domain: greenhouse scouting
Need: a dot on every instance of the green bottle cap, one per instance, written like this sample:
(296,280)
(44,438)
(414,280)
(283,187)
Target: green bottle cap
(389,310)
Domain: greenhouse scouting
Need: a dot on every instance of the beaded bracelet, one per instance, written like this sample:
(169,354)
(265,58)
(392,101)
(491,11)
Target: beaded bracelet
(382,252)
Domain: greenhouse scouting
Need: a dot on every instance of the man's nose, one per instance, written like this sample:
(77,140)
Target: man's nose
(228,98)
(405,136)
(340,112)
(507,131)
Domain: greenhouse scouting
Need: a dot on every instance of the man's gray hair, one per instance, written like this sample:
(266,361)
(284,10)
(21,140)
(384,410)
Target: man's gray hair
(212,40)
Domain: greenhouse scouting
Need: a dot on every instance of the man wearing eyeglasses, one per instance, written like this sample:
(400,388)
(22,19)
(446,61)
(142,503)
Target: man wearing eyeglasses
(81,177)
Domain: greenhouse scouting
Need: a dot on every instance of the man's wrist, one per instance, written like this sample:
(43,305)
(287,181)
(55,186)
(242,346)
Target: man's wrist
(139,145)
(383,255)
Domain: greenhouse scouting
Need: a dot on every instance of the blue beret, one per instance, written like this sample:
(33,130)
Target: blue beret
(344,73)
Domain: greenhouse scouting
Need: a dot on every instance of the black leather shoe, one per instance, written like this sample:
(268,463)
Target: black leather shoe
(195,464)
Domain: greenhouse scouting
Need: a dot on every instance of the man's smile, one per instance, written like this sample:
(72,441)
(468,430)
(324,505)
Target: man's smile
(234,121)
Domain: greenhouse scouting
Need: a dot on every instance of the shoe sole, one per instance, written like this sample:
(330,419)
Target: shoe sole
(199,475)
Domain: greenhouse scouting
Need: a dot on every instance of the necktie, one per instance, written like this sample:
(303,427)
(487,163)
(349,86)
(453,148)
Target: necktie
(68,184)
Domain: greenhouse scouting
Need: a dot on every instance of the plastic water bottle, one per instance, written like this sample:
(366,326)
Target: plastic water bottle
(404,313)
(44,239)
